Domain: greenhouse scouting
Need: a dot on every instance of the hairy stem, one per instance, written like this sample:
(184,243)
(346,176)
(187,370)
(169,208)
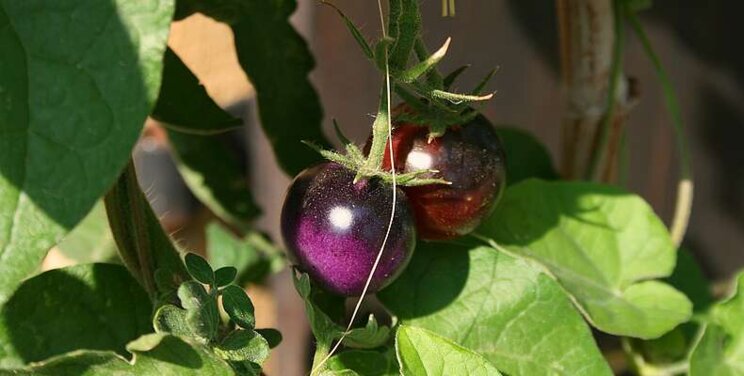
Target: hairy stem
(379,135)
(143,246)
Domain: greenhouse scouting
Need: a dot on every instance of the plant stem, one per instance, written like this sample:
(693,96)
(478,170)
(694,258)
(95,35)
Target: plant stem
(587,37)
(143,246)
(599,153)
(685,187)
(379,135)
(321,352)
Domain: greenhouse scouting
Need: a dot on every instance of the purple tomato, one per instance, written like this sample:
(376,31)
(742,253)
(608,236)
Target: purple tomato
(333,229)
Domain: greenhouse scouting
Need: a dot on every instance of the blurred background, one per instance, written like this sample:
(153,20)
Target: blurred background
(698,42)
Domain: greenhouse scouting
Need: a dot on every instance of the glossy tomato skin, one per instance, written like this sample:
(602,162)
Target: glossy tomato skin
(470,156)
(333,229)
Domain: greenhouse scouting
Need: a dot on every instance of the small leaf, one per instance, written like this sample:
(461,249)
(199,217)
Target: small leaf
(225,275)
(425,353)
(238,306)
(243,346)
(199,268)
(272,336)
(173,320)
(604,245)
(720,350)
(202,313)
(418,70)
(369,337)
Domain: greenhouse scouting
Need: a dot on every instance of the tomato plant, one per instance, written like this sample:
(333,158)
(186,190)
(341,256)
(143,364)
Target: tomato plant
(483,258)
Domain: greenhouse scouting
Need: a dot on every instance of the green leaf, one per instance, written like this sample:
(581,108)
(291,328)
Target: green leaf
(202,313)
(254,256)
(526,157)
(675,345)
(371,336)
(505,308)
(422,352)
(604,245)
(287,103)
(689,279)
(154,354)
(199,268)
(216,176)
(91,240)
(243,346)
(272,336)
(238,306)
(720,350)
(184,104)
(94,306)
(364,362)
(76,84)
(173,320)
(225,275)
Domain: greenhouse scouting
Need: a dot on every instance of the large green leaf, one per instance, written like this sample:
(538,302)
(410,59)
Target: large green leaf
(77,80)
(93,306)
(605,246)
(277,61)
(153,354)
(424,353)
(505,308)
(720,351)
(91,240)
(214,174)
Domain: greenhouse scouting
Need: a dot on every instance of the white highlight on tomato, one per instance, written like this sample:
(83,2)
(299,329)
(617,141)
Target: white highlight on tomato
(341,217)
(419,160)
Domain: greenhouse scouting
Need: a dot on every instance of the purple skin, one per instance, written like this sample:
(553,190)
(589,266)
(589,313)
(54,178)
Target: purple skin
(333,229)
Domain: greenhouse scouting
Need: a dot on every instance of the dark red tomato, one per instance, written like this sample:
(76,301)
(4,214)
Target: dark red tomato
(333,229)
(470,156)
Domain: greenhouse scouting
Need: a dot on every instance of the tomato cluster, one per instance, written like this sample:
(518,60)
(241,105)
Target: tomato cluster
(334,227)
